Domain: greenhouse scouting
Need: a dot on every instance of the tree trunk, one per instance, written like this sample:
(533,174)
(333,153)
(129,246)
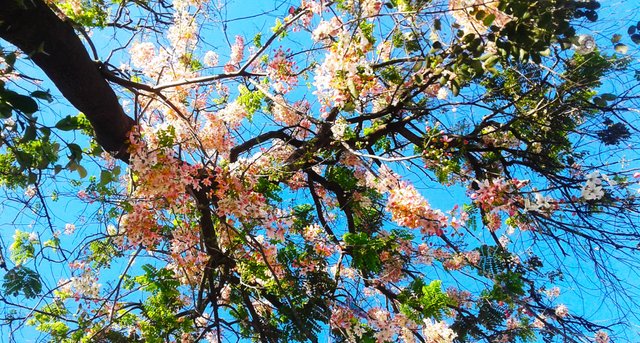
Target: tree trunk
(53,45)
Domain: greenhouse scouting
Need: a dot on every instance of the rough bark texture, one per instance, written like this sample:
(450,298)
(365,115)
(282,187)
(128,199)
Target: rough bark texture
(54,46)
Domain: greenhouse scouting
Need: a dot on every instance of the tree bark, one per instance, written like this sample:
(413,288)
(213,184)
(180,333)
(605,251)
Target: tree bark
(53,45)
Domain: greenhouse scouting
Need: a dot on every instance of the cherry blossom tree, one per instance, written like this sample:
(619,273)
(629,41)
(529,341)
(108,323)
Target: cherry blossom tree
(350,170)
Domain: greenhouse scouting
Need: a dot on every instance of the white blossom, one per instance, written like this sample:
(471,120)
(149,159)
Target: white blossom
(592,189)
(69,229)
(210,59)
(30,191)
(437,332)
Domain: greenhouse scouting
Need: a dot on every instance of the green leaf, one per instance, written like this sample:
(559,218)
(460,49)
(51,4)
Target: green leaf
(22,249)
(488,20)
(608,97)
(600,102)
(82,172)
(42,95)
(76,152)
(105,177)
(68,123)
(22,280)
(257,40)
(20,102)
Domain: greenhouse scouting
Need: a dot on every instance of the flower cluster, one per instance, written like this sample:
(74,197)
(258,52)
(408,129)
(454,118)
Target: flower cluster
(592,189)
(281,70)
(497,195)
(82,286)
(237,53)
(345,76)
(437,332)
(542,204)
(408,208)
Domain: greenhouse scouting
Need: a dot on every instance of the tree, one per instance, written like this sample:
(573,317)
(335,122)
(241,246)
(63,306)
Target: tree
(410,170)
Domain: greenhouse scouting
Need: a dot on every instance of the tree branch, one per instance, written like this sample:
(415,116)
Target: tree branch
(54,46)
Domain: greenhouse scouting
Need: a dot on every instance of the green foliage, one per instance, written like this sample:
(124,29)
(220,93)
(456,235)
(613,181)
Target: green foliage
(48,321)
(422,301)
(491,261)
(161,306)
(302,216)
(342,176)
(89,13)
(108,176)
(167,137)
(391,74)
(102,253)
(22,249)
(365,251)
(257,40)
(508,286)
(22,280)
(279,28)
(78,122)
(250,100)
(269,189)
(613,133)
(12,101)
(368,215)
(367,30)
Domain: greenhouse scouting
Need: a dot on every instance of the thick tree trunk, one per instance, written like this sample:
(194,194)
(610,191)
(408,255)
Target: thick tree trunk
(54,46)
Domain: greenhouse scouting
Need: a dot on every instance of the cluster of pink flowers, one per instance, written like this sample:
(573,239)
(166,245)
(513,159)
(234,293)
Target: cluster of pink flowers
(325,30)
(461,260)
(391,267)
(237,54)
(141,226)
(562,311)
(188,260)
(408,208)
(141,54)
(237,197)
(496,195)
(315,235)
(370,8)
(602,337)
(345,75)
(210,59)
(342,318)
(281,70)
(82,286)
(214,135)
(462,298)
(386,326)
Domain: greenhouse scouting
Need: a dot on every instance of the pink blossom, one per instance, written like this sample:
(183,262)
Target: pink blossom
(30,191)
(602,337)
(562,311)
(281,70)
(141,54)
(69,229)
(408,208)
(237,51)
